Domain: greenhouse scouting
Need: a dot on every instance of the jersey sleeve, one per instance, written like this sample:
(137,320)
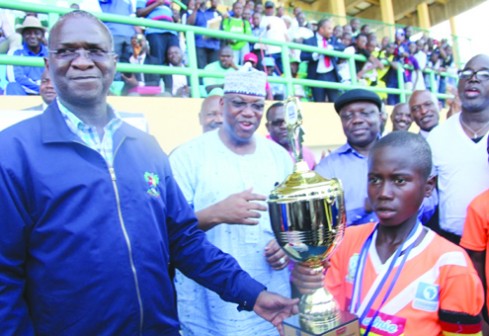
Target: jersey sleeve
(475,234)
(461,297)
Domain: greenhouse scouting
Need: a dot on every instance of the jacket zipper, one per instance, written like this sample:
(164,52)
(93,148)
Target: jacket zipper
(128,243)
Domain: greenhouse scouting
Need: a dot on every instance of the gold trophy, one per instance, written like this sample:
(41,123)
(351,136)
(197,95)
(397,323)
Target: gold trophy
(307,215)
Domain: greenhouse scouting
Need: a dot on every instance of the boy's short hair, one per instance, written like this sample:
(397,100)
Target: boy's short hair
(409,144)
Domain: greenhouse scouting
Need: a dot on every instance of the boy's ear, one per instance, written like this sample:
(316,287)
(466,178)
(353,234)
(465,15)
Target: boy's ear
(430,186)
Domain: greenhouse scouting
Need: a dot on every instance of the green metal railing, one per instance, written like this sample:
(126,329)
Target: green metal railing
(192,70)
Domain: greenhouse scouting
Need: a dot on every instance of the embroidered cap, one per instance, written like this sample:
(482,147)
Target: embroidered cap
(246,81)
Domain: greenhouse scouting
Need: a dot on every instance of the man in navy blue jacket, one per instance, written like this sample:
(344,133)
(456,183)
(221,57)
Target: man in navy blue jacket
(91,216)
(322,67)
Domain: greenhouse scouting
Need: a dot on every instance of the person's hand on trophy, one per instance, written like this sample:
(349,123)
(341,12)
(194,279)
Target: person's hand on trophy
(275,308)
(276,256)
(307,279)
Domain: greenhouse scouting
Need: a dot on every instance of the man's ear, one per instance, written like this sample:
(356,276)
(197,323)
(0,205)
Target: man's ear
(430,186)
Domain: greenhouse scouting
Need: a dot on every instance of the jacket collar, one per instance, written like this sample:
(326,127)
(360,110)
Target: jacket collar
(54,128)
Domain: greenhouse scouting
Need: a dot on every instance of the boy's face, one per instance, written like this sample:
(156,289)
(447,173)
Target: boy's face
(396,187)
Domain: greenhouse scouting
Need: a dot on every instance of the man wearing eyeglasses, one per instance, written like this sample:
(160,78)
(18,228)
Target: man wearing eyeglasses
(226,175)
(459,148)
(278,132)
(91,216)
(425,111)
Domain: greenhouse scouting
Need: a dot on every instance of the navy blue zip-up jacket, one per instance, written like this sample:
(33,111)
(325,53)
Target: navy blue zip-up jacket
(85,249)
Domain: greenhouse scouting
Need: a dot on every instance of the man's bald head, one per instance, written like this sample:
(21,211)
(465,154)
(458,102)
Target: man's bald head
(210,115)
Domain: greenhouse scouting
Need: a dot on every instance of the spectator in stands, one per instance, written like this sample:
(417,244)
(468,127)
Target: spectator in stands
(434,63)
(278,90)
(47,92)
(401,117)
(276,30)
(258,31)
(176,85)
(425,111)
(251,60)
(408,32)
(122,33)
(322,67)
(368,74)
(384,42)
(360,48)
(185,13)
(402,49)
(159,39)
(300,91)
(365,29)
(210,115)
(391,78)
(446,55)
(413,77)
(259,8)
(346,39)
(250,4)
(141,83)
(25,80)
(338,32)
(277,130)
(236,24)
(422,59)
(9,39)
(223,65)
(355,27)
(247,14)
(207,47)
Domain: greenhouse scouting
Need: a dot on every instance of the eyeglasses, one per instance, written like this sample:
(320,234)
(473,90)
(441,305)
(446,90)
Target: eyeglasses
(240,105)
(467,74)
(70,54)
(278,122)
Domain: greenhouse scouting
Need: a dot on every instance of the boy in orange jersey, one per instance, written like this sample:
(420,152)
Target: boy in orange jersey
(399,277)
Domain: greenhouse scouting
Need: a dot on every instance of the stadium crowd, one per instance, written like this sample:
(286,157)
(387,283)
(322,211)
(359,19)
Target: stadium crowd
(26,36)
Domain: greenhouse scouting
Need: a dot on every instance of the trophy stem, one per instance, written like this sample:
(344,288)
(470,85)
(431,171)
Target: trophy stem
(319,312)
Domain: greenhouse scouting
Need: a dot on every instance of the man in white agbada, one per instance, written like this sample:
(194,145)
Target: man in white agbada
(226,175)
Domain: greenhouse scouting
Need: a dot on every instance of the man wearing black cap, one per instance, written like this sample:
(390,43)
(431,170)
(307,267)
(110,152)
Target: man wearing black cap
(359,111)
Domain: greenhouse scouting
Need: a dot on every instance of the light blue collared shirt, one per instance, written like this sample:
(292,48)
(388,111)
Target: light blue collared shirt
(351,168)
(89,135)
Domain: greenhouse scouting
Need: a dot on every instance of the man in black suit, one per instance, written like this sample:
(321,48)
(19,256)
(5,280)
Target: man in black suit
(322,67)
(141,84)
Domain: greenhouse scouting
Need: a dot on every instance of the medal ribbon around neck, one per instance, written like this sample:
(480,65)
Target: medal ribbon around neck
(405,248)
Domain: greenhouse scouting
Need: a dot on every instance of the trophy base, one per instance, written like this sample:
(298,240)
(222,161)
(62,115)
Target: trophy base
(347,326)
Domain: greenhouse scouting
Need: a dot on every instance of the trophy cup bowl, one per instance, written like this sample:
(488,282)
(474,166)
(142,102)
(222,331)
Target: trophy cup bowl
(308,219)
